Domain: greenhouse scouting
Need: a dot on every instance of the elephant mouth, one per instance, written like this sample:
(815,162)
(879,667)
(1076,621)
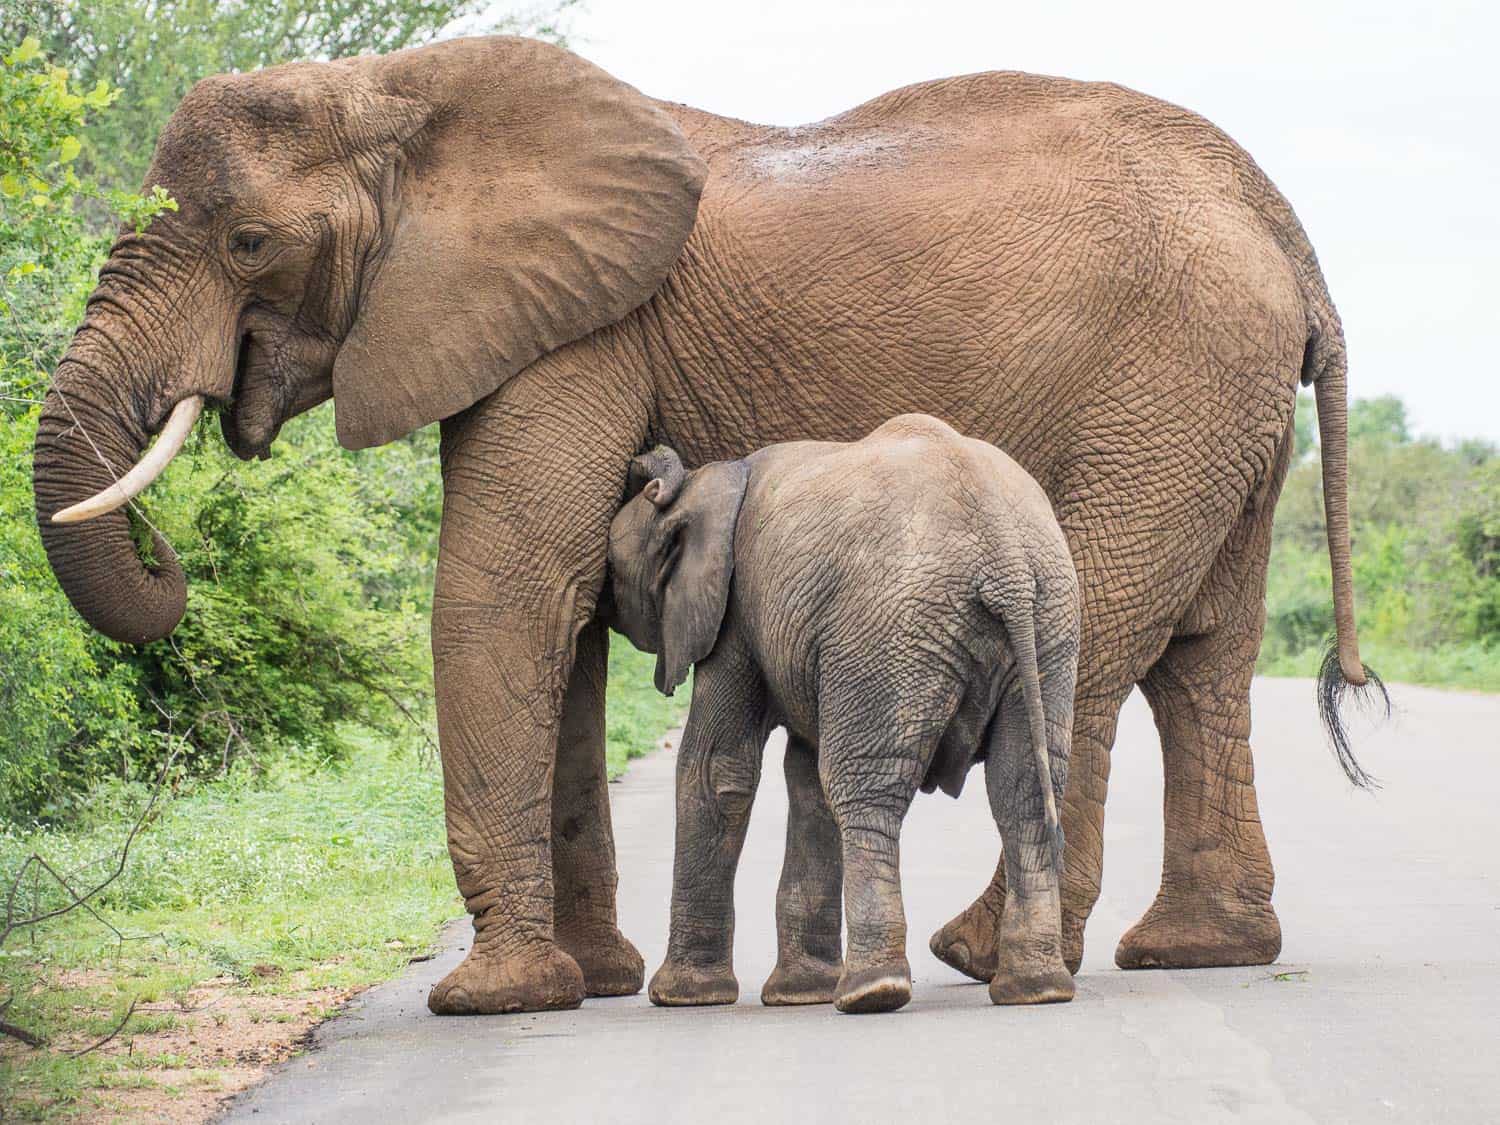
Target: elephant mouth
(277,375)
(251,417)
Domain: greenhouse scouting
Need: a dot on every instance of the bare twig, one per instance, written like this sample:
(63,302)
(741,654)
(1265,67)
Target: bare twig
(36,864)
(119,1027)
(76,900)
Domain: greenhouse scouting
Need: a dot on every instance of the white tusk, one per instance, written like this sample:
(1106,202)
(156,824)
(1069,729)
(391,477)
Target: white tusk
(147,469)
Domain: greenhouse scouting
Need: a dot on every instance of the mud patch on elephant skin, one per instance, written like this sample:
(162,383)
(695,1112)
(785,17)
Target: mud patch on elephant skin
(811,153)
(180,1058)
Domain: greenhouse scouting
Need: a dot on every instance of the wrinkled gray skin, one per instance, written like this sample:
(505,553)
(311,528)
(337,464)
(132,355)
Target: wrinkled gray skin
(905,606)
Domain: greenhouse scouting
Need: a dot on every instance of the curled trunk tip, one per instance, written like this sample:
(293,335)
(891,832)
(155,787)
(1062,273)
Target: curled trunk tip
(97,563)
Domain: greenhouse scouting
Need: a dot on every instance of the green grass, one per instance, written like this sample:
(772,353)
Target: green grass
(301,879)
(1468,667)
(637,715)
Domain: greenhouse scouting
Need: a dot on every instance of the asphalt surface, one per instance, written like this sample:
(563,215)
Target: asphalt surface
(1383,1006)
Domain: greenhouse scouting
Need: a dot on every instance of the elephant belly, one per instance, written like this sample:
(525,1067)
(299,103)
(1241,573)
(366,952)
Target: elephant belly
(963,741)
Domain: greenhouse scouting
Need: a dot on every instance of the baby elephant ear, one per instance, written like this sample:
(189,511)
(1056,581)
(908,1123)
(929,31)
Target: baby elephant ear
(697,563)
(659,474)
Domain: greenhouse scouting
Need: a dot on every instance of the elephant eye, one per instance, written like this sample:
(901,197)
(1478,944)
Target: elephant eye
(247,244)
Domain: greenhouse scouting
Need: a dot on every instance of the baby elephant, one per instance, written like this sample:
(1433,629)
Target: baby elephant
(905,606)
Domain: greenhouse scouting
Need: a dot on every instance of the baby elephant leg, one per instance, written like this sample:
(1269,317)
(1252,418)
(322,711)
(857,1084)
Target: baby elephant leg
(1029,965)
(809,914)
(718,769)
(869,790)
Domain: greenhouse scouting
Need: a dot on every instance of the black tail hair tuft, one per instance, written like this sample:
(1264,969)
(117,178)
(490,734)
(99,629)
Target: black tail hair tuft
(1332,690)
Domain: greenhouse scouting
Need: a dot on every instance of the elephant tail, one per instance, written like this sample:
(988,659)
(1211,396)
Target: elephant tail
(1018,616)
(1325,365)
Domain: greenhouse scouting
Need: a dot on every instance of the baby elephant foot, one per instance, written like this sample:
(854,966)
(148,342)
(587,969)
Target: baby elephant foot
(1072,940)
(1052,986)
(678,984)
(534,980)
(1031,975)
(802,981)
(881,988)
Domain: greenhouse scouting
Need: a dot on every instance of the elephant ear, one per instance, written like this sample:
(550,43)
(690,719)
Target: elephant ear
(540,200)
(695,549)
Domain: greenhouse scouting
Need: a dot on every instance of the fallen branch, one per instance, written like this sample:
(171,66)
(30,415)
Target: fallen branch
(12,923)
(119,1027)
(20,1033)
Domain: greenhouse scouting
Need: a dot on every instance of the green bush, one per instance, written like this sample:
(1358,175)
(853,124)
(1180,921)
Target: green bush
(306,611)
(70,710)
(306,604)
(69,706)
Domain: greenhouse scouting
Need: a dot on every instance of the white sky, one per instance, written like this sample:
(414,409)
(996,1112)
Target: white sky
(1380,121)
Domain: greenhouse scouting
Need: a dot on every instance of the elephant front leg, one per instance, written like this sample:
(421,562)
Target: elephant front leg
(809,913)
(526,511)
(583,845)
(718,771)
(499,676)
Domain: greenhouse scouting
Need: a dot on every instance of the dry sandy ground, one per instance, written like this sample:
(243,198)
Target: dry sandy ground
(224,1037)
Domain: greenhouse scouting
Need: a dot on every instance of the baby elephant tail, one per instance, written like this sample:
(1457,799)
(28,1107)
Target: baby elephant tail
(1018,616)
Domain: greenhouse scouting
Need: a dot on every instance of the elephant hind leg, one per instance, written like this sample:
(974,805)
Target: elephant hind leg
(1029,966)
(968,942)
(1214,904)
(871,765)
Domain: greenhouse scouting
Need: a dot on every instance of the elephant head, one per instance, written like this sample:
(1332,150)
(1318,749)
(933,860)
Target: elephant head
(671,556)
(402,234)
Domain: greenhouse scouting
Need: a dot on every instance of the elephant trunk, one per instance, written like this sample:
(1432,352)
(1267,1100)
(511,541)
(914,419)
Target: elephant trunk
(89,435)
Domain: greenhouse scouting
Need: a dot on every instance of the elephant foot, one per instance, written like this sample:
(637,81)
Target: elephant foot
(970,942)
(1200,933)
(611,965)
(881,988)
(681,985)
(1048,986)
(540,978)
(801,982)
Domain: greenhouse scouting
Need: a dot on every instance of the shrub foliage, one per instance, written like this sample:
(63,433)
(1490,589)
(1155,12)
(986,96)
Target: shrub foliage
(309,574)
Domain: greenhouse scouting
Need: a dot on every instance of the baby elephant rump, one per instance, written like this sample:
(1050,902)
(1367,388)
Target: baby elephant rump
(905,606)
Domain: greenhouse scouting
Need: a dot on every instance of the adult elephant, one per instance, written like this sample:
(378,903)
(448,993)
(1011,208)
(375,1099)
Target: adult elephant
(496,234)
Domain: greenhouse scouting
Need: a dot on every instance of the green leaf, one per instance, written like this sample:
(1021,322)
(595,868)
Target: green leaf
(68,150)
(29,49)
(11,185)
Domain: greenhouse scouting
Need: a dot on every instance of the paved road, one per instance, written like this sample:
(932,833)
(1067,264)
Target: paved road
(1390,905)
